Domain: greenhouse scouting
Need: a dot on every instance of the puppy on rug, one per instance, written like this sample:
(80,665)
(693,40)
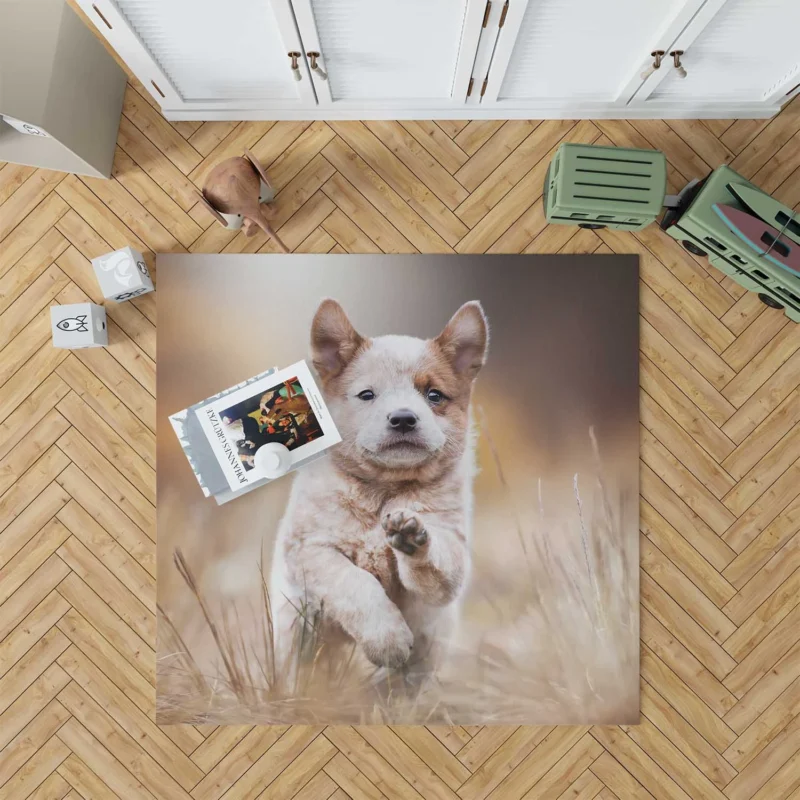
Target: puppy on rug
(375,541)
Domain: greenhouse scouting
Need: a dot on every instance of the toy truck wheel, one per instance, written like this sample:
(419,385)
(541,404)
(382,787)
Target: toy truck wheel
(769,301)
(592,226)
(693,248)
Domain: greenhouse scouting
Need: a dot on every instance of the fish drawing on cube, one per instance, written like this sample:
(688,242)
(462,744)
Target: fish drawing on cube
(78,325)
(122,275)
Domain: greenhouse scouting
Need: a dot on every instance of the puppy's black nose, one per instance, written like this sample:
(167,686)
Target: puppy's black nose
(403,420)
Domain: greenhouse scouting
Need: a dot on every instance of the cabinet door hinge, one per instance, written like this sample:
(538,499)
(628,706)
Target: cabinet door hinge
(503,15)
(469,88)
(486,13)
(483,88)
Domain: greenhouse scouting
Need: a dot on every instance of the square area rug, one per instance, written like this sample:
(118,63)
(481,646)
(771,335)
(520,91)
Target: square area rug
(467,554)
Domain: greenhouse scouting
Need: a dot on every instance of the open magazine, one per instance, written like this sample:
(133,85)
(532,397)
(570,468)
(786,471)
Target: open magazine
(222,434)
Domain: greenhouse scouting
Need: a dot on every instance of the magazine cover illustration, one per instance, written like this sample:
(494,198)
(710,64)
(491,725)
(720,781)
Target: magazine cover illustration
(285,407)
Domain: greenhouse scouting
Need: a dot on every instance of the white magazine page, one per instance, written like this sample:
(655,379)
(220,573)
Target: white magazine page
(285,407)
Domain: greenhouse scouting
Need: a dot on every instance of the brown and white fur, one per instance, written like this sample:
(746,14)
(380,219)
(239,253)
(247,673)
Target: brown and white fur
(377,536)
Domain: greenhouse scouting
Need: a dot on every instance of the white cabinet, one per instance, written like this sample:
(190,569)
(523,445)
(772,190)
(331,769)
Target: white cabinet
(734,51)
(414,53)
(355,59)
(738,56)
(597,62)
(206,54)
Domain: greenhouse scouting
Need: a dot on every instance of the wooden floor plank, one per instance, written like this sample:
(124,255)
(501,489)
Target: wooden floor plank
(31,230)
(762,567)
(12,176)
(34,736)
(159,131)
(613,774)
(110,480)
(437,143)
(112,591)
(539,143)
(366,217)
(158,203)
(110,518)
(30,630)
(391,169)
(383,195)
(209,135)
(675,583)
(83,781)
(32,192)
(108,660)
(564,749)
(90,605)
(770,615)
(239,758)
(685,738)
(682,555)
(30,267)
(144,153)
(680,676)
(30,702)
(684,448)
(419,161)
(168,762)
(31,501)
(100,761)
(475,133)
(37,768)
(350,780)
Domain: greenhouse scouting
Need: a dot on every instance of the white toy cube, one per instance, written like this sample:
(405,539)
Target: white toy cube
(122,274)
(78,325)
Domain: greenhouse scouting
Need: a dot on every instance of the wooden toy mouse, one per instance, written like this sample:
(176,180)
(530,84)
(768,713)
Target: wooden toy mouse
(234,192)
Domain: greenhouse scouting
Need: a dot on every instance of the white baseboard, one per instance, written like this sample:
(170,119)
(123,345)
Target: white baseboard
(649,111)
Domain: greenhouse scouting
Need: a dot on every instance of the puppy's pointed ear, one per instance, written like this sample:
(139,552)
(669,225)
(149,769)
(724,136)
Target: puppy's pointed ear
(334,341)
(465,339)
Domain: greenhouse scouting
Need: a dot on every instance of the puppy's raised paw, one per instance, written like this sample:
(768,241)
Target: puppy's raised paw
(405,531)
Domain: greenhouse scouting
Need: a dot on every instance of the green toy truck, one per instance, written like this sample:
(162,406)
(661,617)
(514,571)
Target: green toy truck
(695,224)
(611,187)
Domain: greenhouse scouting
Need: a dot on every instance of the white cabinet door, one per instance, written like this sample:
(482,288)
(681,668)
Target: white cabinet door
(207,54)
(735,51)
(573,54)
(402,54)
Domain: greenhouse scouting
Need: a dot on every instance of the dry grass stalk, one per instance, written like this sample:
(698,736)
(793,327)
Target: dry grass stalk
(567,652)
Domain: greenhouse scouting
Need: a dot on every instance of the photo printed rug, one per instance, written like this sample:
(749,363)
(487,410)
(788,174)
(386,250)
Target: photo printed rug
(462,548)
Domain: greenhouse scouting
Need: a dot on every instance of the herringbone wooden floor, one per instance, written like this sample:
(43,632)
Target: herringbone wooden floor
(720,467)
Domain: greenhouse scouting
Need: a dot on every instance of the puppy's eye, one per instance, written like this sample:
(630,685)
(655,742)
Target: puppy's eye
(367,394)
(434,396)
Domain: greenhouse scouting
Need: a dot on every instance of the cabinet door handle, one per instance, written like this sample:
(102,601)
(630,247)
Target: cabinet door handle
(296,74)
(313,56)
(676,58)
(657,56)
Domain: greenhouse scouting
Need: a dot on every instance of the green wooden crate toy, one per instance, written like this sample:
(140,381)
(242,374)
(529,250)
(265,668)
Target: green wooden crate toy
(744,232)
(605,187)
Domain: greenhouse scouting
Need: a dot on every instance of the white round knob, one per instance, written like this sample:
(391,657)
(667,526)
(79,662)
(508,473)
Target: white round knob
(676,55)
(273,460)
(648,72)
